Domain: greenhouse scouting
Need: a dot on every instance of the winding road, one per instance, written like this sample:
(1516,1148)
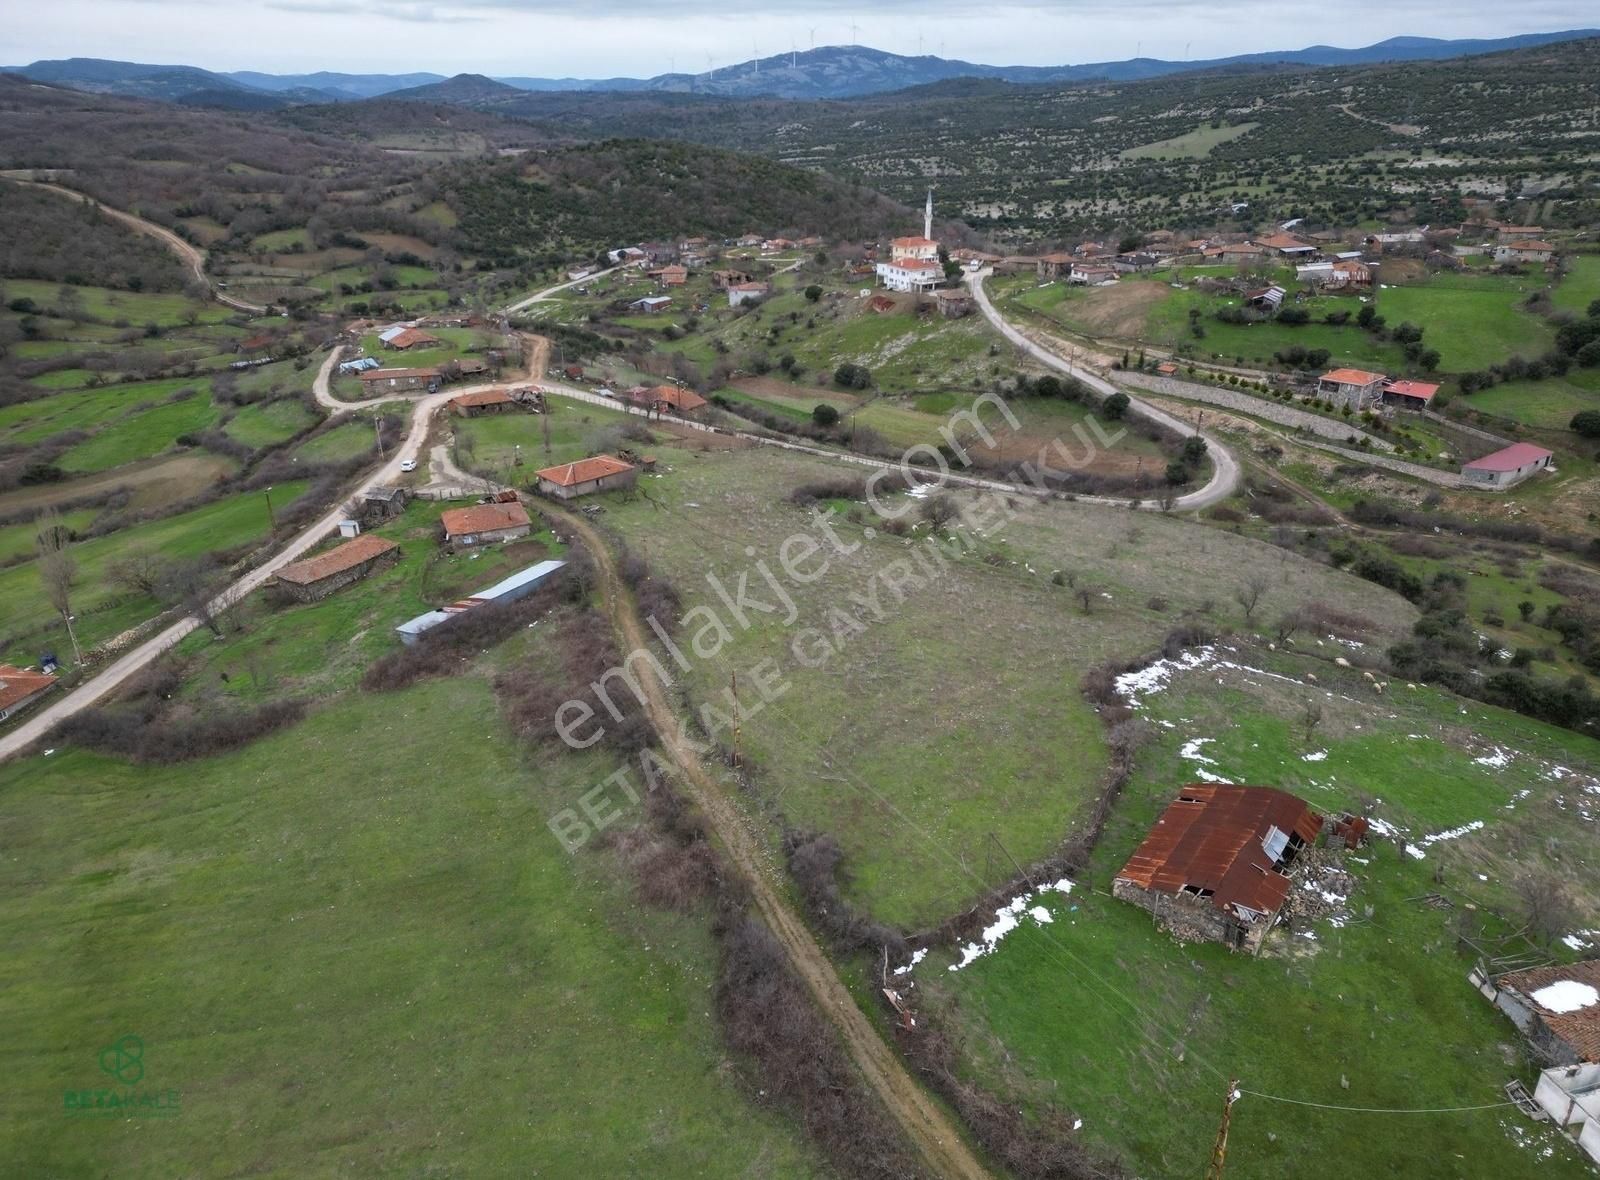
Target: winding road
(1224,479)
(190,255)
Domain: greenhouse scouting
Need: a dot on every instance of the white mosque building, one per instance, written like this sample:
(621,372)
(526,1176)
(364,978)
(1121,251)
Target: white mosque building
(913,263)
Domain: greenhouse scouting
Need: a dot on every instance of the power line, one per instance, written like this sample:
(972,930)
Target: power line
(1377,1109)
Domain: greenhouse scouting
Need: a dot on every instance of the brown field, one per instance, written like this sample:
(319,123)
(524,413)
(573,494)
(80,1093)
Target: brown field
(1120,310)
(152,482)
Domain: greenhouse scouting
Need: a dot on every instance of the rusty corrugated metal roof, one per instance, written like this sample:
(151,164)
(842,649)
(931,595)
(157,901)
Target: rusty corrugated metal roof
(1579,1027)
(1213,838)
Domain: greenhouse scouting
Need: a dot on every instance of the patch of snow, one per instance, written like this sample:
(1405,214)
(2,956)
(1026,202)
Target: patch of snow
(1496,757)
(1008,918)
(1452,833)
(1152,678)
(1416,853)
(1580,940)
(1191,751)
(1566,995)
(916,957)
(1314,756)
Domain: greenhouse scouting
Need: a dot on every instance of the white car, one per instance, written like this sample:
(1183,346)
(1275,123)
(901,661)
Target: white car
(604,392)
(408,465)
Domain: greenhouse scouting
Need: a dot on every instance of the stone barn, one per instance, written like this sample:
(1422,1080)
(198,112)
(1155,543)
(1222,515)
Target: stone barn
(598,473)
(317,577)
(483,524)
(1215,867)
(1556,1007)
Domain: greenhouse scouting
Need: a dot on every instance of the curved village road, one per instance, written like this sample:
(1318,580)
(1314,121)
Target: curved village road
(1224,468)
(925,1123)
(191,256)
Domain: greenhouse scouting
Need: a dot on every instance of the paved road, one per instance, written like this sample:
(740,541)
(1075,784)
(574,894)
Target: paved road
(1224,467)
(191,256)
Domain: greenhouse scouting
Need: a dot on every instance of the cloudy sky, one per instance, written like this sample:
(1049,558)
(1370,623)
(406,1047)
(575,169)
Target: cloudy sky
(600,38)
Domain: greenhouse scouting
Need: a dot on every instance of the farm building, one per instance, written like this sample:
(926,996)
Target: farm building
(1556,1007)
(670,276)
(1355,388)
(651,304)
(317,577)
(1518,233)
(483,524)
(484,402)
(1409,395)
(667,399)
(1265,298)
(952,304)
(384,502)
(742,293)
(1215,867)
(376,381)
(21,687)
(400,339)
(598,473)
(1287,246)
(1570,1095)
(359,365)
(723,279)
(518,586)
(1508,466)
(1089,274)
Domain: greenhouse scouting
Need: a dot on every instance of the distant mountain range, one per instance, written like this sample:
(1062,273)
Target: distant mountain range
(837,71)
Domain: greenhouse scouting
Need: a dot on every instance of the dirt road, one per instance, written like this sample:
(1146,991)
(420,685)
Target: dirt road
(191,256)
(924,1122)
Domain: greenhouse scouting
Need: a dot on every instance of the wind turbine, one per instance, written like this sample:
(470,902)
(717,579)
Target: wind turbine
(853,28)
(794,57)
(813,36)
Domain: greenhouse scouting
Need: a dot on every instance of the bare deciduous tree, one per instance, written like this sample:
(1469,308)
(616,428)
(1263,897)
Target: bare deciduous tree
(1547,907)
(192,585)
(1289,623)
(138,571)
(1310,717)
(58,570)
(1249,593)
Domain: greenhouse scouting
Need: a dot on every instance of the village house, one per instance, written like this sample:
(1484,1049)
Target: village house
(598,473)
(1409,395)
(484,402)
(741,293)
(749,240)
(1570,1095)
(21,687)
(1508,466)
(1134,262)
(910,275)
(670,276)
(379,381)
(483,524)
(1089,274)
(1526,250)
(401,339)
(723,279)
(1355,388)
(1089,249)
(1518,233)
(317,577)
(695,243)
(666,399)
(1557,1008)
(1286,246)
(1055,266)
(1235,252)
(1216,865)
(953,303)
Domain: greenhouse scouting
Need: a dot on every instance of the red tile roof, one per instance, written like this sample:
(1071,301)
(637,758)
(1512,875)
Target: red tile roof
(1510,458)
(18,684)
(682,400)
(1211,837)
(1352,377)
(484,397)
(482,518)
(913,243)
(584,470)
(335,561)
(1580,1028)
(410,338)
(1419,389)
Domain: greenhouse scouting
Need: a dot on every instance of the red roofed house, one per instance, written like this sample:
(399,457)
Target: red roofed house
(914,250)
(20,687)
(1355,388)
(1409,395)
(667,399)
(1506,467)
(598,473)
(911,274)
(1287,245)
(408,338)
(319,576)
(671,276)
(376,381)
(1055,266)
(1215,867)
(483,524)
(485,401)
(1524,251)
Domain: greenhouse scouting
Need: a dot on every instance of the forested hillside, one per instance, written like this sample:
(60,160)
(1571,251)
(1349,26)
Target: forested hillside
(62,241)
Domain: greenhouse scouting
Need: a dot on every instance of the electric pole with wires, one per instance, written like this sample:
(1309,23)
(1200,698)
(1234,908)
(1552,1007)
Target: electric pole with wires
(1219,1150)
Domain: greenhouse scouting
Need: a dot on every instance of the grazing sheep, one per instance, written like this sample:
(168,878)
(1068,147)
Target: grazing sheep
(1341,661)
(1368,676)
(1311,676)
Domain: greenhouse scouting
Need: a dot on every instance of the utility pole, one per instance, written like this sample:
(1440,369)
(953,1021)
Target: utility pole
(271,519)
(1219,1150)
(1021,872)
(377,429)
(733,692)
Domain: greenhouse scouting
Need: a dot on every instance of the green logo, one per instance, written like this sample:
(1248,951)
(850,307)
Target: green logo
(124,1060)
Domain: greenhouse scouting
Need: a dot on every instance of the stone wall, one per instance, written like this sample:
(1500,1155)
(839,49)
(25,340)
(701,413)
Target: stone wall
(1186,918)
(1245,403)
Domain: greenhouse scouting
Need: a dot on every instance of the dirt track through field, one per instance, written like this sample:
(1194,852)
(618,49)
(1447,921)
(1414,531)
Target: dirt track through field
(191,256)
(924,1122)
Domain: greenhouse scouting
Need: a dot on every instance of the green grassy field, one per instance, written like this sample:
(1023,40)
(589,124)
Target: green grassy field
(335,446)
(355,948)
(577,429)
(1550,403)
(1191,145)
(104,303)
(102,609)
(1472,325)
(1581,284)
(1106,1014)
(141,435)
(959,711)
(264,424)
